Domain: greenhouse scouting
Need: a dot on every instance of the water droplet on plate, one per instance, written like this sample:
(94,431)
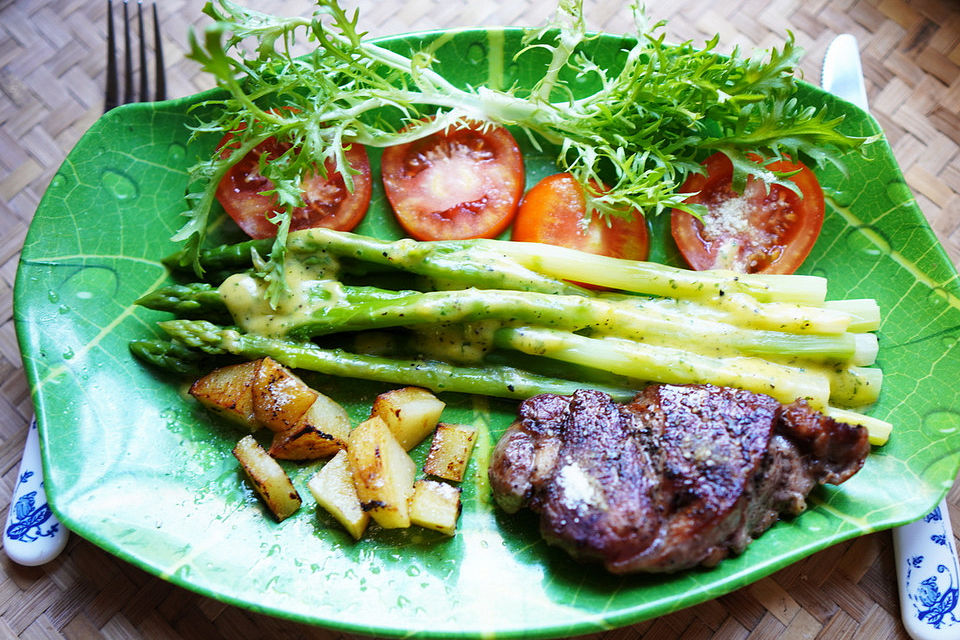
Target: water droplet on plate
(476,53)
(868,240)
(899,192)
(121,186)
(938,297)
(943,421)
(843,197)
(510,74)
(176,151)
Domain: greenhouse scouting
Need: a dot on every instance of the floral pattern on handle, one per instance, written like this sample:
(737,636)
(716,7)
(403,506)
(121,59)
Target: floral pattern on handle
(32,535)
(27,525)
(930,575)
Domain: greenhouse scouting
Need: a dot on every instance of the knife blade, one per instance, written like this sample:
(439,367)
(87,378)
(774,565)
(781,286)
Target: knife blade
(842,73)
(926,557)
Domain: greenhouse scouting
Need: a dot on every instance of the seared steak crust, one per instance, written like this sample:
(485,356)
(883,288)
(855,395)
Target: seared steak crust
(680,476)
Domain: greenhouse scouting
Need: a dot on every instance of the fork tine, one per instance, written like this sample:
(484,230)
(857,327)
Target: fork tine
(112,93)
(140,92)
(128,95)
(159,70)
(144,93)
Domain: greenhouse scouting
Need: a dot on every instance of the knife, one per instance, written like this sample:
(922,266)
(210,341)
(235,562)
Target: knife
(842,74)
(926,557)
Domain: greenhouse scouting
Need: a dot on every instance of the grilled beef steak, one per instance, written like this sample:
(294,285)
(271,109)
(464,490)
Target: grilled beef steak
(681,476)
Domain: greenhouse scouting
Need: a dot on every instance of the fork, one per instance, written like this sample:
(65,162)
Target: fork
(113,97)
(32,535)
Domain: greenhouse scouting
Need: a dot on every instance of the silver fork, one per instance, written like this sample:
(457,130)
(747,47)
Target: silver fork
(33,535)
(113,97)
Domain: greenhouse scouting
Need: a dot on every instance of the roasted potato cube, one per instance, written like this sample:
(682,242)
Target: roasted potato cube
(321,432)
(383,473)
(410,412)
(435,505)
(280,397)
(450,451)
(332,487)
(228,392)
(268,478)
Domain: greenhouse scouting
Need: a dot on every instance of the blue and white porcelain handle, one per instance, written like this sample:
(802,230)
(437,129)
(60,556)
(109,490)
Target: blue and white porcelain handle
(32,535)
(929,576)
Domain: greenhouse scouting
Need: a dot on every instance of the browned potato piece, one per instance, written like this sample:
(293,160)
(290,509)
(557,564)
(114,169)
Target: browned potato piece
(280,398)
(268,478)
(383,473)
(228,392)
(321,432)
(450,451)
(332,488)
(435,505)
(410,412)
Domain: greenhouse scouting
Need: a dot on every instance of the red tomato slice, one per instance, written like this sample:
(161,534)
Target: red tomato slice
(328,201)
(766,229)
(455,184)
(554,212)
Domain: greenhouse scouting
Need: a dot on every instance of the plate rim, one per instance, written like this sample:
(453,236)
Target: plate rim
(625,616)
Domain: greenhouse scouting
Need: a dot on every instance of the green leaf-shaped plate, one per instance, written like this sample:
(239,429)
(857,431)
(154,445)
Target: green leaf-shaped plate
(134,466)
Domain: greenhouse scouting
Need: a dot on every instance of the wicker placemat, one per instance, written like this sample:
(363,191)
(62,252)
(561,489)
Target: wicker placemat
(51,83)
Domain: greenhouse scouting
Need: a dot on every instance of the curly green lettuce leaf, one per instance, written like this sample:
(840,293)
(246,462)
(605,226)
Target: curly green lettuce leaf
(643,131)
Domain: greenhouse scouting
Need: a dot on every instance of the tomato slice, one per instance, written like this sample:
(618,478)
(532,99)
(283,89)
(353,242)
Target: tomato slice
(328,202)
(455,184)
(554,212)
(765,229)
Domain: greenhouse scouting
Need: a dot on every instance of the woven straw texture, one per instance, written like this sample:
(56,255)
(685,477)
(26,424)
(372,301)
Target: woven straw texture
(52,70)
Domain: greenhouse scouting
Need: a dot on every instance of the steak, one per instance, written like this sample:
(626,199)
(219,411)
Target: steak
(681,476)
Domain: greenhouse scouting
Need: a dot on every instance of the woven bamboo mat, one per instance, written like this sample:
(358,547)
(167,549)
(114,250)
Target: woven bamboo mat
(51,79)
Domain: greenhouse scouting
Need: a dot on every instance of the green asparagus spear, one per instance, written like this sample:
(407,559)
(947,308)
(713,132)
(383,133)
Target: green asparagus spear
(656,279)
(744,311)
(493,264)
(864,313)
(498,381)
(459,262)
(879,430)
(670,365)
(202,300)
(226,257)
(194,300)
(854,386)
(168,355)
(325,307)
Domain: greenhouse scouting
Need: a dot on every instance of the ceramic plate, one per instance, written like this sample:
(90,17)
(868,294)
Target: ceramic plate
(135,467)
